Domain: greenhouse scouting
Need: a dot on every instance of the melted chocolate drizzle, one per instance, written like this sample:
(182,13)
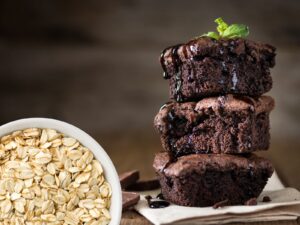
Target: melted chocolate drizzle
(178,77)
(165,105)
(177,68)
(162,62)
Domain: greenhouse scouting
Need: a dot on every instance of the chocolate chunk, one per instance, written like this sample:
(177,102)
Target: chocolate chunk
(157,203)
(129,178)
(221,204)
(144,185)
(129,199)
(266,199)
(251,201)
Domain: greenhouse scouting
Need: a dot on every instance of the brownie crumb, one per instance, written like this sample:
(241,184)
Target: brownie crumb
(266,199)
(251,201)
(221,204)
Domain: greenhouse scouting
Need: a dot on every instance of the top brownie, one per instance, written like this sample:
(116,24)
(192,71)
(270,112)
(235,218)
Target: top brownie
(207,67)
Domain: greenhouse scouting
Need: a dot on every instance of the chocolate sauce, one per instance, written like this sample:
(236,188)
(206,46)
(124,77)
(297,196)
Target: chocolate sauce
(164,105)
(156,203)
(162,62)
(178,76)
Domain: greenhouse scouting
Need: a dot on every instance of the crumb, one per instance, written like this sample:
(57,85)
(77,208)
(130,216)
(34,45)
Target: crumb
(251,201)
(221,204)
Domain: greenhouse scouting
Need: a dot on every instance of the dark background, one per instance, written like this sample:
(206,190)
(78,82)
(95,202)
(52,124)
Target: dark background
(95,64)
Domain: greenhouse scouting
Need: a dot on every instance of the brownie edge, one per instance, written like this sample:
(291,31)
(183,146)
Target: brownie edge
(212,178)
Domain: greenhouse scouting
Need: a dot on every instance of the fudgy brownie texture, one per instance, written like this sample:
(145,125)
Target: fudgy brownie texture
(206,179)
(208,67)
(225,124)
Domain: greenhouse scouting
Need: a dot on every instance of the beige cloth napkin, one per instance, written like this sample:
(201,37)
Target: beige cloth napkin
(285,205)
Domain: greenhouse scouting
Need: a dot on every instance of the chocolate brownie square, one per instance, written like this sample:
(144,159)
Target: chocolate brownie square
(207,179)
(225,124)
(208,67)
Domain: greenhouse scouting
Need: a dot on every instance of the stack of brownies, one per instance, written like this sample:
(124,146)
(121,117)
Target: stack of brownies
(216,118)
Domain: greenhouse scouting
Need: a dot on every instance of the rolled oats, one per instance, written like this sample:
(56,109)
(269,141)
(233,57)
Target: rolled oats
(49,178)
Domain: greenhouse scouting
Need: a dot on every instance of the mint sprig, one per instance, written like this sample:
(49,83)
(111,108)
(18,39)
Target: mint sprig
(228,31)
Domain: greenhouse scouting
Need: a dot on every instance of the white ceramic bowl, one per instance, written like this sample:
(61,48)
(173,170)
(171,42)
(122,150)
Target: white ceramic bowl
(86,140)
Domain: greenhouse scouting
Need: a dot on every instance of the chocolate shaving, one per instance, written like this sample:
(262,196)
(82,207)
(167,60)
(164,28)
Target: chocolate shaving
(221,204)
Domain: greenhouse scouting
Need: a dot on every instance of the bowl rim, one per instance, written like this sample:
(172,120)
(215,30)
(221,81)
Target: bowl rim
(86,140)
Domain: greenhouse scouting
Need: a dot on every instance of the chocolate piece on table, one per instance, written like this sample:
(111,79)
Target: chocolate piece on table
(266,199)
(225,124)
(206,179)
(144,185)
(129,178)
(129,199)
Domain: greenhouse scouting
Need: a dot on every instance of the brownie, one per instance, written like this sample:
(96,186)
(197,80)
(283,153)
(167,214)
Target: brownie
(208,67)
(207,179)
(225,124)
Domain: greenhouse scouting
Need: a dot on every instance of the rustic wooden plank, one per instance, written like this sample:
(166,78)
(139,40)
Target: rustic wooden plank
(132,217)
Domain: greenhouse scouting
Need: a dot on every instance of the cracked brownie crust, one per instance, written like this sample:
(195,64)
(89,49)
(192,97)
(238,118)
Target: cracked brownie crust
(226,124)
(212,177)
(207,67)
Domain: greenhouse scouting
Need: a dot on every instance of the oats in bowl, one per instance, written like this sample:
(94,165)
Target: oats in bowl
(49,178)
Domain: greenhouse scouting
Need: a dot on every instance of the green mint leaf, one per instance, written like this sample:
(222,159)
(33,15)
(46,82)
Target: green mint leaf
(236,30)
(222,26)
(228,31)
(211,34)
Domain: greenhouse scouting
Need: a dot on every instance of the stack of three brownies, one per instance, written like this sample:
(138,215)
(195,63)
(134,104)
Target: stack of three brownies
(216,118)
